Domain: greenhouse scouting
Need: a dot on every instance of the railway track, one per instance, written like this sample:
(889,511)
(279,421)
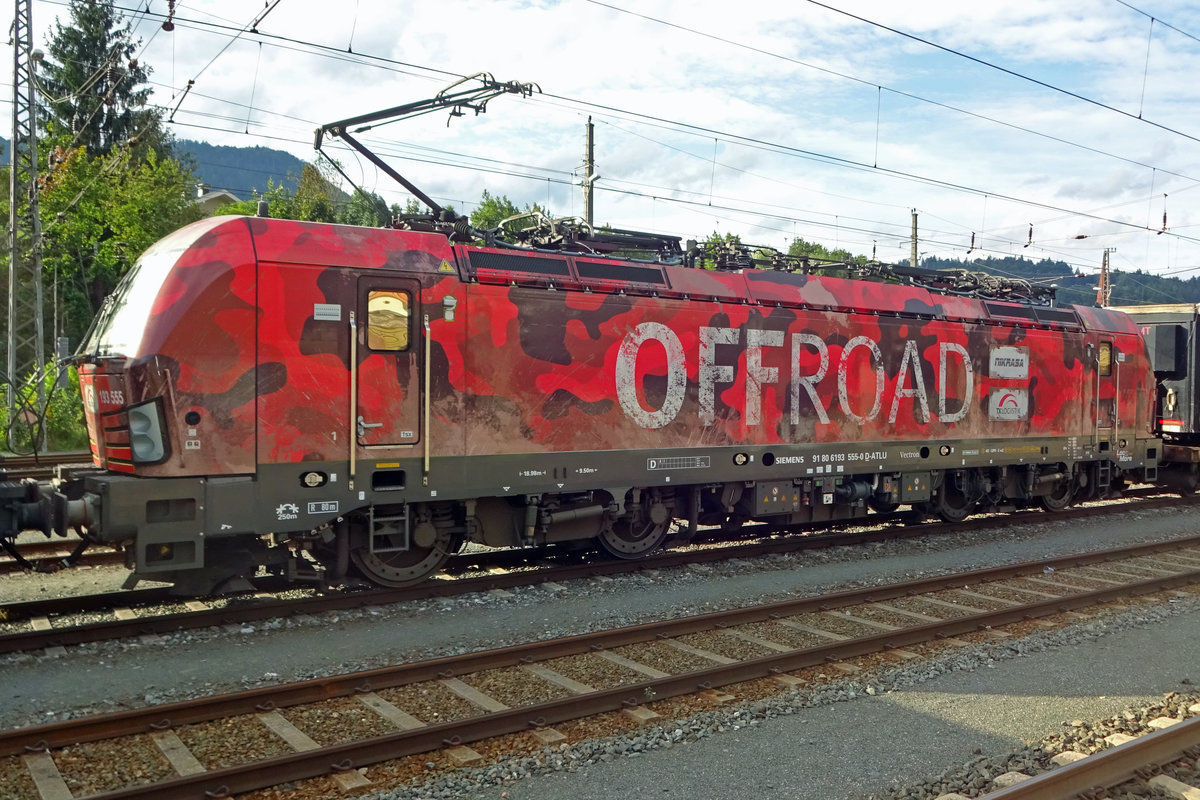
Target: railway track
(335,728)
(58,554)
(1142,751)
(41,466)
(67,621)
(49,555)
(1139,765)
(50,621)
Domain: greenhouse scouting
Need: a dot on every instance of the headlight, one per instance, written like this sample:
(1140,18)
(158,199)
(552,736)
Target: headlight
(145,433)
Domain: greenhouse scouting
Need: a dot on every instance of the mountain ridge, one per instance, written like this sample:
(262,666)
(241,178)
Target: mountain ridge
(243,171)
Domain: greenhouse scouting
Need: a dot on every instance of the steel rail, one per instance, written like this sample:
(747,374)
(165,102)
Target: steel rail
(108,630)
(71,457)
(1107,768)
(461,565)
(58,549)
(43,466)
(267,698)
(332,759)
(22,641)
(901,525)
(91,603)
(897,525)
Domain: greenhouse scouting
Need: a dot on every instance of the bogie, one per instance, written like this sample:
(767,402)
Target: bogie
(400,546)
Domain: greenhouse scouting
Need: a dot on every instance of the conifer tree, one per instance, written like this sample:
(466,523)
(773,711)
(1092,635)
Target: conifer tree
(95,91)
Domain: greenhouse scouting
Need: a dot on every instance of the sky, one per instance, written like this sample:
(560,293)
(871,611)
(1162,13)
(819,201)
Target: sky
(1036,128)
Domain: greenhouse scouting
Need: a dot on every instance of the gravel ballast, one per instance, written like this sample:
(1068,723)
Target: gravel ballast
(856,736)
(909,734)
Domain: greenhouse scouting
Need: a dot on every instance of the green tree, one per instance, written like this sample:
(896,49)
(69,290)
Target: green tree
(801,248)
(365,208)
(717,240)
(280,203)
(491,210)
(95,88)
(109,188)
(98,215)
(314,196)
(60,424)
(411,206)
(313,200)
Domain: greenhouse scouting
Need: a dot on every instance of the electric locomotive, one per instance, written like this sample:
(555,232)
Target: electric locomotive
(332,402)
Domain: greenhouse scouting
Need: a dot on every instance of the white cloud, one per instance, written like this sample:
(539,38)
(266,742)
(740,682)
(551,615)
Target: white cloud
(737,73)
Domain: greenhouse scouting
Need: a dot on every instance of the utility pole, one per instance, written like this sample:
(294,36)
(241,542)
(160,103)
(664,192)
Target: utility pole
(1104,290)
(26,346)
(589,173)
(912,259)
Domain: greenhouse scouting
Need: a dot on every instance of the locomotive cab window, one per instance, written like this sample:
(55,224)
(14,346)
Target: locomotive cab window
(1104,359)
(388,320)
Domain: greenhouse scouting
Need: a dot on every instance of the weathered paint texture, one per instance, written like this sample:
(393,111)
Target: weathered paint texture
(245,340)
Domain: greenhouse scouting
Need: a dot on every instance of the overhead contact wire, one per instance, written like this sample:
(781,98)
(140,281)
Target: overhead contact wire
(1005,70)
(817,156)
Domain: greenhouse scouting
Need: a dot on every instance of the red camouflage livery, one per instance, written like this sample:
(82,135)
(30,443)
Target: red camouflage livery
(378,397)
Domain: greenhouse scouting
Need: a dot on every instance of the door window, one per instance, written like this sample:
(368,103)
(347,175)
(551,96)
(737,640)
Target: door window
(389,369)
(388,320)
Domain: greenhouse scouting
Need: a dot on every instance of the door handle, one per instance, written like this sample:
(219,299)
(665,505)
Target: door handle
(363,425)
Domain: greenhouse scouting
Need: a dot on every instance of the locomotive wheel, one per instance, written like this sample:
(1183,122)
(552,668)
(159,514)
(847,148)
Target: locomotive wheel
(952,505)
(427,553)
(633,537)
(1062,496)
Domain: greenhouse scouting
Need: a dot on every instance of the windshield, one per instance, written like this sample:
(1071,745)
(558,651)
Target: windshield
(122,319)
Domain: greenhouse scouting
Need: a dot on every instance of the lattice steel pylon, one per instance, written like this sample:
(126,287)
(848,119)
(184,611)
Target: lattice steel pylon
(26,345)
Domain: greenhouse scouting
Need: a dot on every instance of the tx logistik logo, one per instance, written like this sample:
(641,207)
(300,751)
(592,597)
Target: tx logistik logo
(1009,404)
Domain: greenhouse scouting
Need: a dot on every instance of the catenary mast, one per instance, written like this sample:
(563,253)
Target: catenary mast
(26,344)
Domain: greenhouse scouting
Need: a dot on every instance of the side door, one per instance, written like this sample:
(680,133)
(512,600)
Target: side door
(1107,365)
(388,334)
